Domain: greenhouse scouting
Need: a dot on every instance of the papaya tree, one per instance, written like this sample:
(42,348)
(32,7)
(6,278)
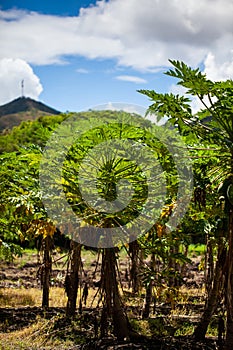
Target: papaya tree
(22,209)
(22,214)
(109,175)
(210,127)
(16,182)
(9,235)
(162,276)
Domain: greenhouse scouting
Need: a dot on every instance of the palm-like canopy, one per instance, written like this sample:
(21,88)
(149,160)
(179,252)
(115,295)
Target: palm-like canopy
(209,130)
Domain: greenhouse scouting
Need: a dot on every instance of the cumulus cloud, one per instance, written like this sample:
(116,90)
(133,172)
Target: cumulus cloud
(142,36)
(218,70)
(131,79)
(12,72)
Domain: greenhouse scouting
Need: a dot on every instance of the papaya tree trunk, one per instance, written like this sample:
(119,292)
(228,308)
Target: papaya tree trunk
(212,296)
(72,278)
(173,265)
(134,273)
(113,307)
(147,301)
(229,286)
(209,264)
(46,271)
(148,296)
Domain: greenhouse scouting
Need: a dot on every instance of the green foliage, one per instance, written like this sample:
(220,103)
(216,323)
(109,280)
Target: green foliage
(174,107)
(215,97)
(9,250)
(101,172)
(30,132)
(18,185)
(192,79)
(209,137)
(213,125)
(197,249)
(22,212)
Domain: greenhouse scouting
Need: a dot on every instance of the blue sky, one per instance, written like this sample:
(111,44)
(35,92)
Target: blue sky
(55,7)
(74,55)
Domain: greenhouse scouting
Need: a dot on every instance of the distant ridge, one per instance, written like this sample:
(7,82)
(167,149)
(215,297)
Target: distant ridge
(21,109)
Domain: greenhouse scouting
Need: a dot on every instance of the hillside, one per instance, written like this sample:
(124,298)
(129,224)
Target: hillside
(21,109)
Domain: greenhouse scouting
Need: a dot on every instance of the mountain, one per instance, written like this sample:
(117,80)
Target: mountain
(21,109)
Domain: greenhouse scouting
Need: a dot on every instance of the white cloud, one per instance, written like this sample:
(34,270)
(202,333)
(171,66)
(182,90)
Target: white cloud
(142,36)
(12,72)
(121,106)
(177,89)
(218,71)
(131,78)
(82,71)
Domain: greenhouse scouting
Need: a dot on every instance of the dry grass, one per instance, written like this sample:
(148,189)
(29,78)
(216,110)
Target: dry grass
(35,334)
(43,334)
(19,297)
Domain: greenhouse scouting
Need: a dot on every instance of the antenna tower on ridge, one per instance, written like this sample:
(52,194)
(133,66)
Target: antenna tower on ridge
(22,88)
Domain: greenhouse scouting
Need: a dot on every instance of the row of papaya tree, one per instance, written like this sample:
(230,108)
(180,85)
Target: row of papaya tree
(34,175)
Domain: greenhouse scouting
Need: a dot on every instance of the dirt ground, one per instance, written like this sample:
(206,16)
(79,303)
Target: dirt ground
(25,271)
(19,313)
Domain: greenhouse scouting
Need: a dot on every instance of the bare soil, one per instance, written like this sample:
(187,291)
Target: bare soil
(24,274)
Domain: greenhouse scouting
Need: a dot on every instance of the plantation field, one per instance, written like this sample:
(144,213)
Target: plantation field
(25,325)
